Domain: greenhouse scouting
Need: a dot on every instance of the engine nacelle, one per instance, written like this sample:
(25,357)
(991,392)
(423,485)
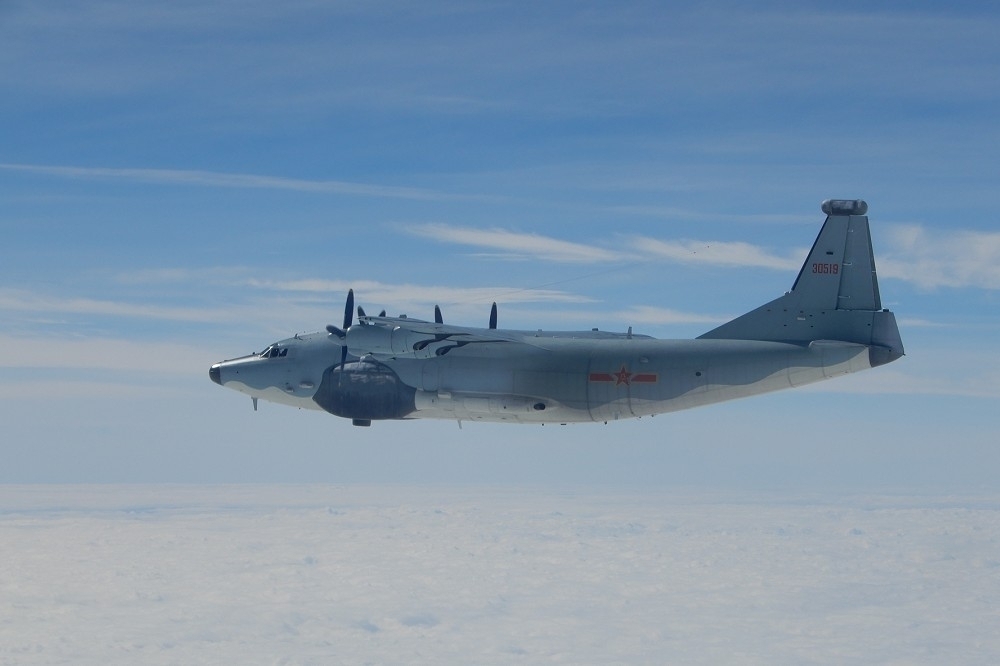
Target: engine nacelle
(396,341)
(364,391)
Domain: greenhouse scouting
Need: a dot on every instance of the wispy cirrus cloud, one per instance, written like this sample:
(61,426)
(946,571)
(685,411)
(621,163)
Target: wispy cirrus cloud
(946,258)
(511,244)
(21,300)
(408,295)
(242,180)
(718,253)
(928,259)
(36,310)
(302,303)
(647,314)
(515,245)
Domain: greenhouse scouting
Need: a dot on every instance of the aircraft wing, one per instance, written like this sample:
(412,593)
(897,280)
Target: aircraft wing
(431,328)
(402,336)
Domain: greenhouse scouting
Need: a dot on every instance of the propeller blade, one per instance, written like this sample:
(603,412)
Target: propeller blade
(361,311)
(493,316)
(438,318)
(381,314)
(349,309)
(342,332)
(348,320)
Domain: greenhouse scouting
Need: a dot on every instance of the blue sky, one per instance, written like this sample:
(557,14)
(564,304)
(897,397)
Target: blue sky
(184,183)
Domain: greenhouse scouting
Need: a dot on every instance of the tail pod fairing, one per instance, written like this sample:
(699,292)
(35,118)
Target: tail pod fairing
(835,297)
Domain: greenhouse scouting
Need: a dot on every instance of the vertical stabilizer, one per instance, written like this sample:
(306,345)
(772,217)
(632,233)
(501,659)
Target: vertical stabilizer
(835,296)
(839,273)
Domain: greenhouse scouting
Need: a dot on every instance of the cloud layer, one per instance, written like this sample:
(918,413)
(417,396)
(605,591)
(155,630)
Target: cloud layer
(360,574)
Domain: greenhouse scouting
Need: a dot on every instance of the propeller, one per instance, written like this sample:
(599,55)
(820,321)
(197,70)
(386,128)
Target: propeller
(438,318)
(493,316)
(342,332)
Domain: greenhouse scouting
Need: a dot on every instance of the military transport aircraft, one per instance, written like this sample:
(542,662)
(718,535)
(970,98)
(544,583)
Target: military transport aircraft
(829,324)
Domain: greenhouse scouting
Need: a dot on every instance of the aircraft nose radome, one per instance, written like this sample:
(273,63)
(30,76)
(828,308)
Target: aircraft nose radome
(215,372)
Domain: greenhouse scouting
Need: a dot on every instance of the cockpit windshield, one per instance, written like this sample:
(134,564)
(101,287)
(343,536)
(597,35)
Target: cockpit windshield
(274,351)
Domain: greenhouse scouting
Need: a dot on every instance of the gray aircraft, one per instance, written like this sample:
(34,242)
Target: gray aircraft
(829,324)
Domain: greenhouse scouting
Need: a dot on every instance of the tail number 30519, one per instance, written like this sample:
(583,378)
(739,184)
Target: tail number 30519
(826,269)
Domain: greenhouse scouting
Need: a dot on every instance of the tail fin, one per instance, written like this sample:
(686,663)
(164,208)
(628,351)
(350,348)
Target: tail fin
(835,296)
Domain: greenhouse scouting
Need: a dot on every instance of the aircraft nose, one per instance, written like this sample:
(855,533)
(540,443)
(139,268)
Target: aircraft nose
(215,372)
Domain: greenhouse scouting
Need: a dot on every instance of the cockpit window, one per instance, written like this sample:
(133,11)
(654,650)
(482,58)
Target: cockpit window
(274,351)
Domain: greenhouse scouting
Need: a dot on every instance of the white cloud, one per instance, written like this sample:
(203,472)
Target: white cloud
(241,180)
(305,304)
(958,258)
(410,295)
(915,322)
(400,574)
(646,314)
(636,316)
(719,253)
(521,245)
(21,300)
(942,258)
(517,245)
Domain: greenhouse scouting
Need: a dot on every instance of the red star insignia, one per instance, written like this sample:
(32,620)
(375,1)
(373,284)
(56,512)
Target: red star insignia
(625,377)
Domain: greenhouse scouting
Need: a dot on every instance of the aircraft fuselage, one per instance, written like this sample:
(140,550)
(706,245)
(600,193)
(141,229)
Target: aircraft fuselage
(555,380)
